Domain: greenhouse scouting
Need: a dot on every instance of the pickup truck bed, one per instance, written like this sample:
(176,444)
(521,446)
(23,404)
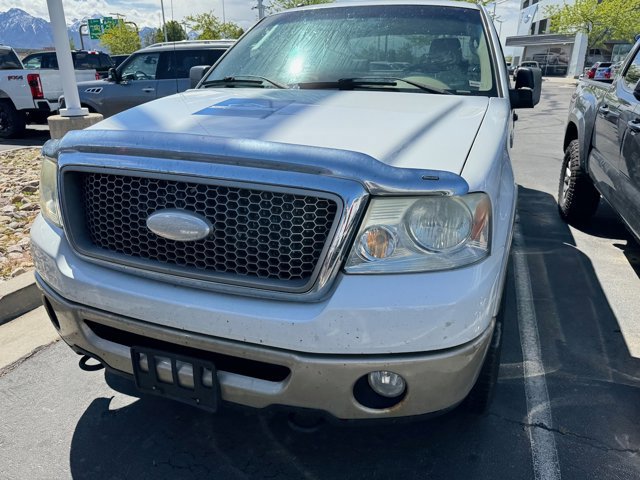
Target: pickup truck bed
(29,95)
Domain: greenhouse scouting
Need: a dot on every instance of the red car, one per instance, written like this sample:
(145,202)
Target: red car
(602,66)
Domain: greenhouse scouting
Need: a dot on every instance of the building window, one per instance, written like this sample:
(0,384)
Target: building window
(543,26)
(525,4)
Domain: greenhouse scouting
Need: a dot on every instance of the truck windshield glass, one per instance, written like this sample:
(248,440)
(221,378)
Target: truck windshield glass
(443,48)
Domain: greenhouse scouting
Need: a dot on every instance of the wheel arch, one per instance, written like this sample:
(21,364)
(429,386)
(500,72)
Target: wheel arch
(5,96)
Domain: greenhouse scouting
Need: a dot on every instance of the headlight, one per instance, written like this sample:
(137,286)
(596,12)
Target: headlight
(420,234)
(49,191)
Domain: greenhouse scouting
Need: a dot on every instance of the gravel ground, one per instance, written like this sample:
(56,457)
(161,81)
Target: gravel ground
(19,197)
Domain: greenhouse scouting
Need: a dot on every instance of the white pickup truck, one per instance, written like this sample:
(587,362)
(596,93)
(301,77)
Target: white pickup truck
(27,95)
(304,228)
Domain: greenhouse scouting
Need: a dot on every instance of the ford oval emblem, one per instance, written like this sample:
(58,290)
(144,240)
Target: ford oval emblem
(179,225)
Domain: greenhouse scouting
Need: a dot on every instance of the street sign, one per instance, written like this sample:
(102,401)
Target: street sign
(108,22)
(95,28)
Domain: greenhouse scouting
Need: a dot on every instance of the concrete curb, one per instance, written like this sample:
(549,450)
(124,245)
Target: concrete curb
(17,296)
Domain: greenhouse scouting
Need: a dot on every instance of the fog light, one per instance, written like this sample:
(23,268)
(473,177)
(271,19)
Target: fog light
(387,384)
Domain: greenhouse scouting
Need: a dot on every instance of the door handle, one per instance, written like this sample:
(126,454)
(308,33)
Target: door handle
(604,109)
(634,125)
(148,90)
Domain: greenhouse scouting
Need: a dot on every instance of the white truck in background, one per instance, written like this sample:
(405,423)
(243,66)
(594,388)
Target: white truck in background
(28,96)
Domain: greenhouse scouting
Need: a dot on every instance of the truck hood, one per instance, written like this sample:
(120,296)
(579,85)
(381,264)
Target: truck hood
(407,130)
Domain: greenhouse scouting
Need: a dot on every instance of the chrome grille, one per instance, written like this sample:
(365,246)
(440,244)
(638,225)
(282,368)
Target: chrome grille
(265,235)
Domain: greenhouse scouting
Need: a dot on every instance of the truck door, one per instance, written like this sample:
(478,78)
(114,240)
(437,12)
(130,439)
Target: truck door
(630,145)
(615,110)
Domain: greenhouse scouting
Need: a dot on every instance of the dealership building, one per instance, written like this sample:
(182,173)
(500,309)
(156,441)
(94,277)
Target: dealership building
(559,55)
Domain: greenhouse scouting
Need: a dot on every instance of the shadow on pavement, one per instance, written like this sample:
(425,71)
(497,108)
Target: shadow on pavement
(592,381)
(32,137)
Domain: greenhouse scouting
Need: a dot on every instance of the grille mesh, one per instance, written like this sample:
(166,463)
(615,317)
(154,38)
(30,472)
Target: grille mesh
(259,234)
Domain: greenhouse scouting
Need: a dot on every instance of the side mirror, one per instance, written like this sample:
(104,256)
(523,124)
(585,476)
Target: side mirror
(636,91)
(113,75)
(196,73)
(528,88)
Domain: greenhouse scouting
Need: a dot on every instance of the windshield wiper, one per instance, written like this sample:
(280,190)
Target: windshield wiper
(358,82)
(253,80)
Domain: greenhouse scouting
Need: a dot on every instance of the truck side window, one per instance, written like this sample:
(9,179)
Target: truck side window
(177,64)
(632,76)
(33,61)
(8,60)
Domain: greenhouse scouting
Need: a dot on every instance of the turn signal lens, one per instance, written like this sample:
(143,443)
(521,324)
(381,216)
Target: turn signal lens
(377,243)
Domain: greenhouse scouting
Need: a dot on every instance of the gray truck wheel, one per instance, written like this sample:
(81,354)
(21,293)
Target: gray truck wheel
(12,123)
(578,199)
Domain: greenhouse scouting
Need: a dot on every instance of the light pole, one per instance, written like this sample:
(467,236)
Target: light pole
(65,62)
(496,3)
(164,22)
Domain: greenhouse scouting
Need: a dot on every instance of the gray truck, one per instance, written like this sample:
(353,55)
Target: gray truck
(602,148)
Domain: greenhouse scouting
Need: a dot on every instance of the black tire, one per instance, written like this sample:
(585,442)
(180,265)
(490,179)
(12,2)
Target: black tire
(481,395)
(578,199)
(12,122)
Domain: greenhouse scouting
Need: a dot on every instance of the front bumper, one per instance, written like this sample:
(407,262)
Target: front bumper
(435,381)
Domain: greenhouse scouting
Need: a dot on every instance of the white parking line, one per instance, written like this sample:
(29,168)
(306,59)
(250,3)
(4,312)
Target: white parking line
(544,454)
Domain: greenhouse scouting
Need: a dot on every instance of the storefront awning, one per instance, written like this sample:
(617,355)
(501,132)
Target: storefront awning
(524,40)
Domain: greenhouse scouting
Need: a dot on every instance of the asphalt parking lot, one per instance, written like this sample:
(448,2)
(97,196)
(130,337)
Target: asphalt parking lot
(34,136)
(566,405)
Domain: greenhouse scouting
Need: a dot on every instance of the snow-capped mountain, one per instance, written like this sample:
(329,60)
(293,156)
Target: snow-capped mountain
(19,29)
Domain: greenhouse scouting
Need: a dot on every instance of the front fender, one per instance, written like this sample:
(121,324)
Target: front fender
(581,121)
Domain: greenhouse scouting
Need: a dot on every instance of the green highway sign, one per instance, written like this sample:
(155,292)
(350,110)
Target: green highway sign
(109,22)
(95,28)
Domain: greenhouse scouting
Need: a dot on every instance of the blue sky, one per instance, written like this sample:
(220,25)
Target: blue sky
(147,12)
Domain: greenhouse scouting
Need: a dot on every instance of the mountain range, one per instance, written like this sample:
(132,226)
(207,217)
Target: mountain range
(21,30)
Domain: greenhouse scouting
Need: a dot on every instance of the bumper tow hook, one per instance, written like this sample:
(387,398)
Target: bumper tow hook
(94,367)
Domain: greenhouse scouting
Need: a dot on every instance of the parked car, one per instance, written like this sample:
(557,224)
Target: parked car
(153,72)
(525,64)
(82,60)
(602,148)
(298,230)
(27,95)
(600,71)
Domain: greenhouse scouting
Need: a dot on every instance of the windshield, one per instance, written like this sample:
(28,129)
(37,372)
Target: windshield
(443,48)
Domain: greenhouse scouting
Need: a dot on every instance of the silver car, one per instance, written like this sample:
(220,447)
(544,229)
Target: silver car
(154,72)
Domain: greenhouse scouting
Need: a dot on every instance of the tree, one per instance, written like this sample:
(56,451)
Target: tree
(121,39)
(175,32)
(209,27)
(279,5)
(602,20)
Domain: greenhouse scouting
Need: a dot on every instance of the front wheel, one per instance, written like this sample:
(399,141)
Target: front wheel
(12,122)
(578,199)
